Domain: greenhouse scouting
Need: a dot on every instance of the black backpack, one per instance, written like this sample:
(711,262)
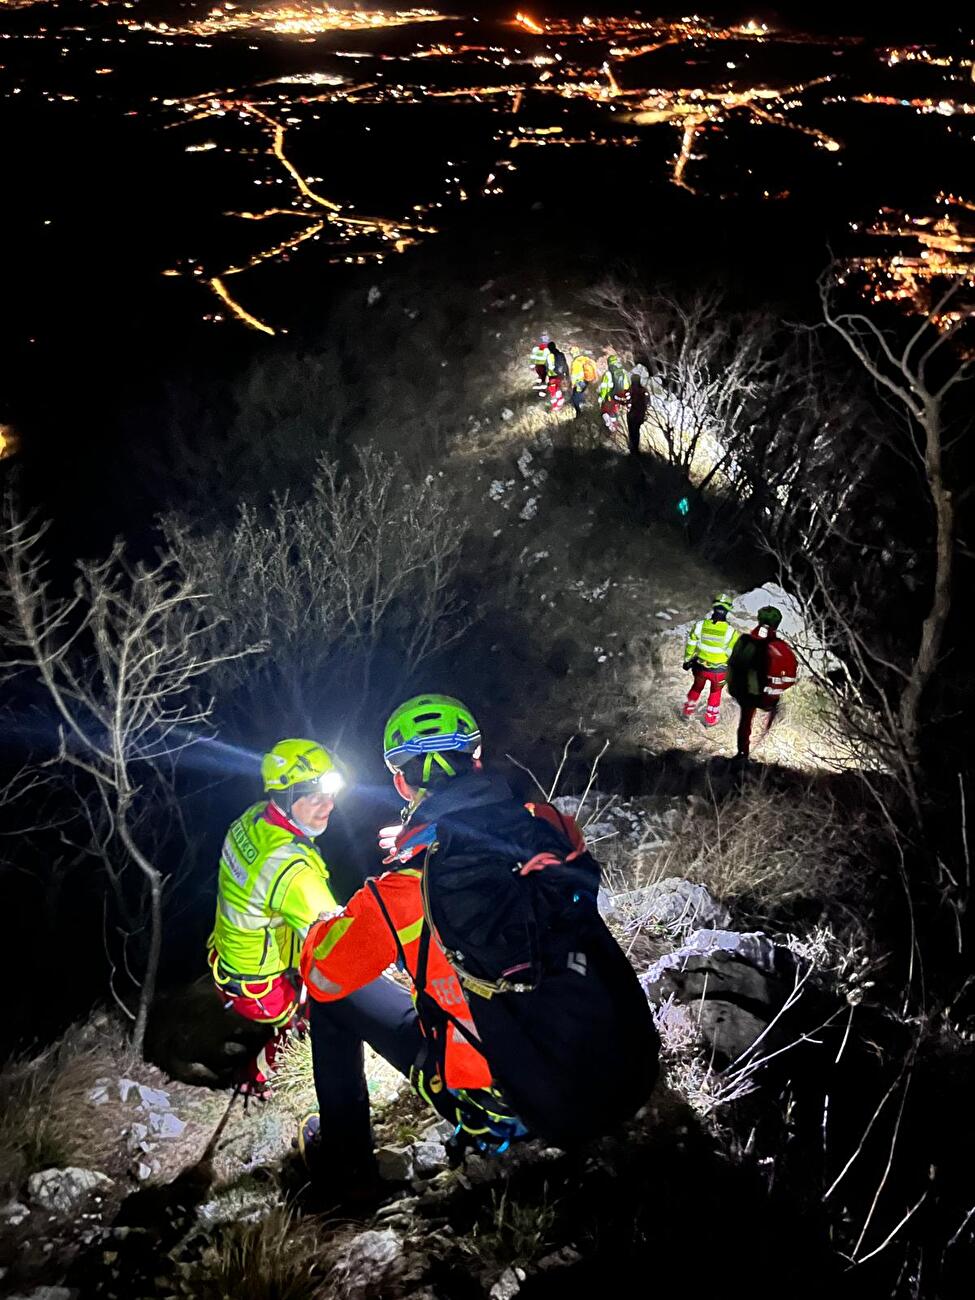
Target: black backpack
(560,1015)
(561,364)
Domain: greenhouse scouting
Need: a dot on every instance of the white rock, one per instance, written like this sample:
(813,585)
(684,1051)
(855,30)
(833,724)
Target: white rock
(373,296)
(529,510)
(367,1260)
(61,1191)
(153,1098)
(14,1213)
(395,1164)
(98,1095)
(507,1286)
(429,1157)
(46,1293)
(507,414)
(524,463)
(528,304)
(166,1125)
(143,1171)
(662,613)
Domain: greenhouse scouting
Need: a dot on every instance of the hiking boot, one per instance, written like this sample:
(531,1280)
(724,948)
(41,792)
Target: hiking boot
(342,1182)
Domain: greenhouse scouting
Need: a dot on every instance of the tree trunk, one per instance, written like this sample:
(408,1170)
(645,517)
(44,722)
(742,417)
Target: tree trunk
(933,628)
(147,991)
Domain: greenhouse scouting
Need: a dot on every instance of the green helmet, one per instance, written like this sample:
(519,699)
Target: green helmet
(427,726)
(296,764)
(612,359)
(723,601)
(769,616)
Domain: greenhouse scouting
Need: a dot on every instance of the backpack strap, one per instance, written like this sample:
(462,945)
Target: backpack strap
(425,1002)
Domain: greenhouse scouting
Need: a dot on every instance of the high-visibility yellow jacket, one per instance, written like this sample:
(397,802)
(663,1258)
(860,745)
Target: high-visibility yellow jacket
(710,643)
(539,356)
(615,383)
(580,368)
(272,886)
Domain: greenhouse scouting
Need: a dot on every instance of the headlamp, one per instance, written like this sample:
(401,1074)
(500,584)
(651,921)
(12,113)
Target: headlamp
(331,782)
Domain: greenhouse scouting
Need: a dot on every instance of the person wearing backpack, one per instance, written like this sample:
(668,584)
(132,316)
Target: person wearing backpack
(582,373)
(558,374)
(613,393)
(533,1020)
(762,667)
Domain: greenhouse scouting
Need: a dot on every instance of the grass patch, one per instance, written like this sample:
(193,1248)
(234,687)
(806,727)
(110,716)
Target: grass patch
(275,1258)
(44,1119)
(516,1231)
(767,849)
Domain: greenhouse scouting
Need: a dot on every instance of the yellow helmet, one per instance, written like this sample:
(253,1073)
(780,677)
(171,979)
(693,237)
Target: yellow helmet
(299,763)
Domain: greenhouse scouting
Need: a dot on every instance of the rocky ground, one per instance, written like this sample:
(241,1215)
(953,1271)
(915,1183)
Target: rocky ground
(744,905)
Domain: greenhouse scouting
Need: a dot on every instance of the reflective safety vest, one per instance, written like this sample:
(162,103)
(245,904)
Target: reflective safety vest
(582,370)
(542,356)
(614,383)
(710,643)
(272,886)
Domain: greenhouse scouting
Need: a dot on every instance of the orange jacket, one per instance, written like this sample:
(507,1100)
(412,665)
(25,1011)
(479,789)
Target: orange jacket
(351,948)
(355,946)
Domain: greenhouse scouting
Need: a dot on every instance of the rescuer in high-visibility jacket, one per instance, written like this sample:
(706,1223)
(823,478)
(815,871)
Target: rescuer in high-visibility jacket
(272,884)
(582,373)
(709,643)
(543,359)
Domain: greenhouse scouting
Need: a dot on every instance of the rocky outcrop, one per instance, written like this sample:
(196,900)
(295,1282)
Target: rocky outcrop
(64,1191)
(673,904)
(737,984)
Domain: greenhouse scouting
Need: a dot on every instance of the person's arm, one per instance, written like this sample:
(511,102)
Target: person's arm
(306,896)
(347,950)
(690,649)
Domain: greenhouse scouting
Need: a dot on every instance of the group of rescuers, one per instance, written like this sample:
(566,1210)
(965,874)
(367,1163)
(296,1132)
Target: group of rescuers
(619,391)
(560,1044)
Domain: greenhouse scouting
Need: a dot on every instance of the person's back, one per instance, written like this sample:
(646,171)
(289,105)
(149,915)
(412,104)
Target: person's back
(761,668)
(484,874)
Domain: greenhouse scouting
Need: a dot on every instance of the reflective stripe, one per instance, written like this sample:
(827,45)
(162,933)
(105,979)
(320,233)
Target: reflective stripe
(336,930)
(410,932)
(322,982)
(243,920)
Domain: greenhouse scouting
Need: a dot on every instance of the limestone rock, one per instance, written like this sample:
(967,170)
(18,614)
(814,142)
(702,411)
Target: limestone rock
(62,1191)
(508,1284)
(676,905)
(429,1157)
(368,1263)
(395,1164)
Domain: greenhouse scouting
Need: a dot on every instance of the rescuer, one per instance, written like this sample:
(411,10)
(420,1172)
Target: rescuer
(272,884)
(582,373)
(613,392)
(475,875)
(543,361)
(709,643)
(761,669)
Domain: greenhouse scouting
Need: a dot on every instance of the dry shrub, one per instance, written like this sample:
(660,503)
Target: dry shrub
(274,1258)
(767,848)
(44,1111)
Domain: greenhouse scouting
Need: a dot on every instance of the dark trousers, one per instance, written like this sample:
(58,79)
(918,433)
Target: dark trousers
(634,423)
(380,1014)
(745,721)
(578,393)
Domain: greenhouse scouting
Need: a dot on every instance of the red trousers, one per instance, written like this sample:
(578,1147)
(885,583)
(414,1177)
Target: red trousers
(714,678)
(275,1002)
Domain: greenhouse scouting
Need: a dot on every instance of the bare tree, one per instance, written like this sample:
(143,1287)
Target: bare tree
(747,412)
(918,376)
(120,658)
(365,560)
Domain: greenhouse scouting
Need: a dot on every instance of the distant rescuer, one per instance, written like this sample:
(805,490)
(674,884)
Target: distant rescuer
(582,373)
(532,1018)
(761,669)
(541,358)
(709,644)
